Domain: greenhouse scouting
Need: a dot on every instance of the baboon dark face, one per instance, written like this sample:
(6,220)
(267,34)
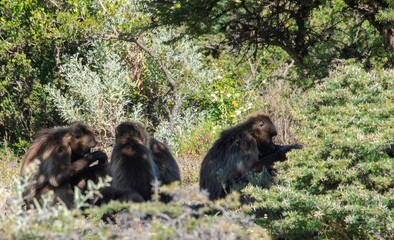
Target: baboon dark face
(83,139)
(130,130)
(263,130)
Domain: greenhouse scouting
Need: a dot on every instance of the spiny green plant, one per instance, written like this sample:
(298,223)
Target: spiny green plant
(340,186)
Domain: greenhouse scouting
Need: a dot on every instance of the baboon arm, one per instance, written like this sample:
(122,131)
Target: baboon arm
(90,173)
(269,160)
(278,155)
(66,172)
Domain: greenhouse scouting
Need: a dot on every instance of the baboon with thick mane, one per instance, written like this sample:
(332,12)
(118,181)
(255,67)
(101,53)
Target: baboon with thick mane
(245,147)
(54,157)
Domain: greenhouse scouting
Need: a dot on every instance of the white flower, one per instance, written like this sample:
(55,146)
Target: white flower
(238,112)
(215,98)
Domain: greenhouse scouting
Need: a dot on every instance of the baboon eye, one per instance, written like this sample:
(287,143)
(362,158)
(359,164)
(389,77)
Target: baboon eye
(262,123)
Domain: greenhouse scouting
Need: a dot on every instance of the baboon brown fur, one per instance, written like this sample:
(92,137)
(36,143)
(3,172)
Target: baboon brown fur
(132,166)
(245,147)
(93,173)
(54,157)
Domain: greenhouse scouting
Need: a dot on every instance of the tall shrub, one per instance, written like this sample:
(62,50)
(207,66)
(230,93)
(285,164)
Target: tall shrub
(97,90)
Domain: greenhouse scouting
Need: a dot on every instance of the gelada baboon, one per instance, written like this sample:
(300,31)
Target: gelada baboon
(51,161)
(139,148)
(132,166)
(240,149)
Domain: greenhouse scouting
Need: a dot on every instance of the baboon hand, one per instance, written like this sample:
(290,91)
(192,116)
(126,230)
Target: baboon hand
(97,155)
(288,148)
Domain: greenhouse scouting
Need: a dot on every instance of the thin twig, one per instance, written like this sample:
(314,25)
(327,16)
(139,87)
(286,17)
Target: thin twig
(142,46)
(56,5)
(160,63)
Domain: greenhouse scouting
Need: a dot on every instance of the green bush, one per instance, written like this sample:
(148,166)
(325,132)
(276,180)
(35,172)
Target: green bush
(340,186)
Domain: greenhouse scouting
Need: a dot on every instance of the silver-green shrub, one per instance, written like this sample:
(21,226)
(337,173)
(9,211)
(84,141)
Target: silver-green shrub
(183,218)
(97,89)
(45,219)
